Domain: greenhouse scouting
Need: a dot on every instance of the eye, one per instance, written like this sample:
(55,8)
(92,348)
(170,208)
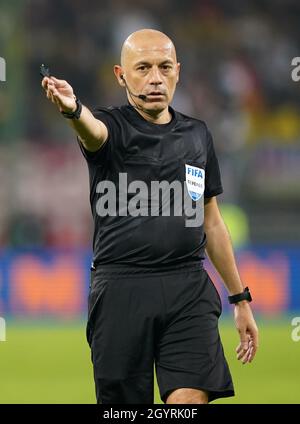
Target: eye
(142,68)
(166,67)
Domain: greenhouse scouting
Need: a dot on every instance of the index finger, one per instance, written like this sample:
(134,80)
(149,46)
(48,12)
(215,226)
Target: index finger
(254,343)
(58,82)
(45,81)
(254,337)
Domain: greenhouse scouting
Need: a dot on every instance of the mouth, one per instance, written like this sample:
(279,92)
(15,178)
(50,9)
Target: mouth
(154,95)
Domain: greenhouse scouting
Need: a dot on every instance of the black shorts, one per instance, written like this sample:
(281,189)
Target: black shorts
(139,318)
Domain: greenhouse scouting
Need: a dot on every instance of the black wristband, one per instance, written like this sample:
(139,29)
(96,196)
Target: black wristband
(245,295)
(77,112)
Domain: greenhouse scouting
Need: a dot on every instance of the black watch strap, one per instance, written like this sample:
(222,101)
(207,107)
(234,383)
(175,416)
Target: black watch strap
(245,295)
(76,114)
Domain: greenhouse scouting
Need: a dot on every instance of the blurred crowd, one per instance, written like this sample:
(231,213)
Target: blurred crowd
(235,74)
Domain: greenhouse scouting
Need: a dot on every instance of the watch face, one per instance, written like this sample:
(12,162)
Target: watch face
(249,298)
(245,295)
(76,114)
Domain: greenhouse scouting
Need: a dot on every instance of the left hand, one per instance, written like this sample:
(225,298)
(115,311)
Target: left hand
(248,332)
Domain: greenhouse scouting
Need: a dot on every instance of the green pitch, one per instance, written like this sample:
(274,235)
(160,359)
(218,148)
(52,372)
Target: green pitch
(51,364)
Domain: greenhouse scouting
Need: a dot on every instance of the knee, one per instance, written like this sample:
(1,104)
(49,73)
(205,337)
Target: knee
(185,395)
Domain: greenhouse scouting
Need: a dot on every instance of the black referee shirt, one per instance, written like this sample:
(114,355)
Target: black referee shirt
(181,150)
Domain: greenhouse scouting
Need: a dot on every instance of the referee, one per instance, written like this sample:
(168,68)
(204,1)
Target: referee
(151,302)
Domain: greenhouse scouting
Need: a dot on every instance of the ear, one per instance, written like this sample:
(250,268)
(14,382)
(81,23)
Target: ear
(118,71)
(178,71)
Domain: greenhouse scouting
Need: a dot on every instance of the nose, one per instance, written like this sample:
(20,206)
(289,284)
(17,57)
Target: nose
(155,77)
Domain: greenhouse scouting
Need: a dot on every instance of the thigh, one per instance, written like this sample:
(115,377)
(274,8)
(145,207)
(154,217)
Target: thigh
(190,353)
(123,322)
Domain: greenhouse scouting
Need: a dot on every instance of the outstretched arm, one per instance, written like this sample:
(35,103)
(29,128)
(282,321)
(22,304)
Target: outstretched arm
(220,251)
(91,131)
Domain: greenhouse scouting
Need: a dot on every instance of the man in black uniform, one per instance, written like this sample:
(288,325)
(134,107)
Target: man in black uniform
(151,301)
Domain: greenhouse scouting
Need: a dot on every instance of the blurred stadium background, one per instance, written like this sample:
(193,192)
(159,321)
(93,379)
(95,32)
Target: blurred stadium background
(236,75)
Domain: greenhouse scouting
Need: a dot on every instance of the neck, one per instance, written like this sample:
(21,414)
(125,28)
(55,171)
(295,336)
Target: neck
(155,117)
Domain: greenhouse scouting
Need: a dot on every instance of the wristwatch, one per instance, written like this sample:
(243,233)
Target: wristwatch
(77,112)
(245,295)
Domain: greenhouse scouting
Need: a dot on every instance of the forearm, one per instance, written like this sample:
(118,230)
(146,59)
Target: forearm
(91,131)
(219,250)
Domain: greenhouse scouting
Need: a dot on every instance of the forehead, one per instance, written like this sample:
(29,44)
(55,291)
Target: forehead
(151,54)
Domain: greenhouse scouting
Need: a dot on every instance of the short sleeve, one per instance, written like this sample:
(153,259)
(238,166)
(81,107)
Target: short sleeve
(213,184)
(101,155)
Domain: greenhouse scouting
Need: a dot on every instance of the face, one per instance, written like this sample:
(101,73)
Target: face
(151,70)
